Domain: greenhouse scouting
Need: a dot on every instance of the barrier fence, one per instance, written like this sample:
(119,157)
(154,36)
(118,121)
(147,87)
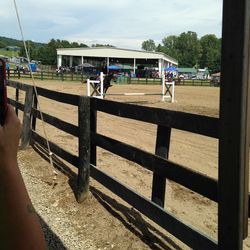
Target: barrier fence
(50,75)
(158,163)
(46,75)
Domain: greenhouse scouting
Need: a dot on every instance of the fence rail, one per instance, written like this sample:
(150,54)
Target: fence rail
(158,163)
(46,75)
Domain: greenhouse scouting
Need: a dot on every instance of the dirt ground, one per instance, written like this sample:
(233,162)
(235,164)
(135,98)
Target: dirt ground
(112,219)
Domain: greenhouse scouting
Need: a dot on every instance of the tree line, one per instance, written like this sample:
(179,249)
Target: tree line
(186,48)
(44,52)
(190,51)
(47,52)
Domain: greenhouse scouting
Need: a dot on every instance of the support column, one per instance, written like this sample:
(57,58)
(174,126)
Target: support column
(107,64)
(82,60)
(160,67)
(134,65)
(59,61)
(70,61)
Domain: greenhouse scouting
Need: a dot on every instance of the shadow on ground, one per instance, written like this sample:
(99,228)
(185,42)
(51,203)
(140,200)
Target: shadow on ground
(52,240)
(129,217)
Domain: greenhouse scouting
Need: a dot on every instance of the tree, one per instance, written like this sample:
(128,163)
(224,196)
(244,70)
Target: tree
(65,44)
(169,46)
(2,44)
(102,45)
(148,45)
(210,52)
(188,48)
(48,55)
(82,45)
(31,49)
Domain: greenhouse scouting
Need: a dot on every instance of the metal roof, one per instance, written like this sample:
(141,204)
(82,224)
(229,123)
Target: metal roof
(187,70)
(115,53)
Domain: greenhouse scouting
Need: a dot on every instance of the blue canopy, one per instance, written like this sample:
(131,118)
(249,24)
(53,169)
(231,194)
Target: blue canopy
(171,68)
(114,67)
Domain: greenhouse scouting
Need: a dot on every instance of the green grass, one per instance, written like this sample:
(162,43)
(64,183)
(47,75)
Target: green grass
(5,52)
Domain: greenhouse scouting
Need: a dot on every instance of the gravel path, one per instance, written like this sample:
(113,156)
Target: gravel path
(101,222)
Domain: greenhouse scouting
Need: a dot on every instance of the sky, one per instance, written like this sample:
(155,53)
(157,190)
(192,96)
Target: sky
(122,23)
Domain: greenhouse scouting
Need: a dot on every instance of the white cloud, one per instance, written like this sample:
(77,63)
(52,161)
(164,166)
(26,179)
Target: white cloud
(123,23)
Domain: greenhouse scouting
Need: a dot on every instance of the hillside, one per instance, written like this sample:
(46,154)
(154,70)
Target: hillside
(5,41)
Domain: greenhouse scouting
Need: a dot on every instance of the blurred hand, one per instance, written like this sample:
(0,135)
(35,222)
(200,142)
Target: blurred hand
(9,136)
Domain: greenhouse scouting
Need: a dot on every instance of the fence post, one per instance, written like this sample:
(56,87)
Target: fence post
(93,126)
(26,131)
(17,99)
(84,148)
(34,117)
(234,126)
(162,150)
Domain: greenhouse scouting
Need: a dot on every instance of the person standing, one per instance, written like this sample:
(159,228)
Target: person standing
(19,224)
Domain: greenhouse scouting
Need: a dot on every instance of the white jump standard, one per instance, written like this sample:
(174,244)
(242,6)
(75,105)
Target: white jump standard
(95,88)
(167,89)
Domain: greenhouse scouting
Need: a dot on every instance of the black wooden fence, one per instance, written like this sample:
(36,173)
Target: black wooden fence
(46,75)
(158,163)
(50,75)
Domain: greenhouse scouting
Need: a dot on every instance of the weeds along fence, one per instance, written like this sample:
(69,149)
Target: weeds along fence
(162,169)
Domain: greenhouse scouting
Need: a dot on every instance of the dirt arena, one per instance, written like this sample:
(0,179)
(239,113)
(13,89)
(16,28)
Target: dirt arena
(113,220)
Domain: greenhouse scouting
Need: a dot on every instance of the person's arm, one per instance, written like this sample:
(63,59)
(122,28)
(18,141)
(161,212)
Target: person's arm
(19,224)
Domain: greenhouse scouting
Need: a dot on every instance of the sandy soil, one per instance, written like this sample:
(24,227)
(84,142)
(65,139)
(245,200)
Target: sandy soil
(114,220)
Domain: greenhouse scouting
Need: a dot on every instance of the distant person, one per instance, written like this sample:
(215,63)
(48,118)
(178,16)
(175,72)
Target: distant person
(8,69)
(19,225)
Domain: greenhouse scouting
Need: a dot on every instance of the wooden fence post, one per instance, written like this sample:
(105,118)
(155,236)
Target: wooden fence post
(84,148)
(34,117)
(234,134)
(93,126)
(17,99)
(26,131)
(162,150)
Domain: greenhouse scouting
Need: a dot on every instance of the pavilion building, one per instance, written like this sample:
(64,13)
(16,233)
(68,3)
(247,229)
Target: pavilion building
(127,58)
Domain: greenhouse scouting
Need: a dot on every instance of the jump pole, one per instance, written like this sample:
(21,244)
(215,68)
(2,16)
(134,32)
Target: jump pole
(132,94)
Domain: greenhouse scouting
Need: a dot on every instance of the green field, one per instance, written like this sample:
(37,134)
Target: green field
(5,52)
